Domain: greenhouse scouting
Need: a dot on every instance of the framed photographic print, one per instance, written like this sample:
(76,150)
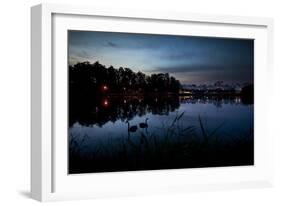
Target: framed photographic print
(134,102)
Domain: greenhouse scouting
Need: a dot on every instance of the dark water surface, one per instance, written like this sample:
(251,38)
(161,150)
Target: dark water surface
(101,123)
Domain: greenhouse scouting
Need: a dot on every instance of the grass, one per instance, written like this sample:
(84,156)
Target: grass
(179,147)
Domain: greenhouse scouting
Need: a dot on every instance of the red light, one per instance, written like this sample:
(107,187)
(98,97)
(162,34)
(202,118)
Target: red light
(105,103)
(105,87)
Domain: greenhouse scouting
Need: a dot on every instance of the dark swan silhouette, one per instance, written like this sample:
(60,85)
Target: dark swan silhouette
(131,128)
(144,124)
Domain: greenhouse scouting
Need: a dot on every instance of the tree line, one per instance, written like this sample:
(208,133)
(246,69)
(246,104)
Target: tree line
(86,76)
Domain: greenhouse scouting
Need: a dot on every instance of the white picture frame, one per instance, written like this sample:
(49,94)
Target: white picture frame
(49,179)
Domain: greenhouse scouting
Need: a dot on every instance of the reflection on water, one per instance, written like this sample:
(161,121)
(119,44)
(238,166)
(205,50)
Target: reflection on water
(106,117)
(140,133)
(111,109)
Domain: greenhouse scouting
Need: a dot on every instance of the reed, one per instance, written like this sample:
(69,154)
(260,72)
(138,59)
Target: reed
(178,147)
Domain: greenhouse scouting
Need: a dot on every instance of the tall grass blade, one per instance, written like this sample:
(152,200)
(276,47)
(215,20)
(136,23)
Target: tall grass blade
(180,115)
(215,130)
(189,128)
(202,128)
(173,123)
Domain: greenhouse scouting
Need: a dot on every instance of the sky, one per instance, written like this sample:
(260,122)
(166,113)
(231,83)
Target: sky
(192,60)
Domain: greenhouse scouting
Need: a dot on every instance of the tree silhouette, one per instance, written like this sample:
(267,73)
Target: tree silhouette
(85,77)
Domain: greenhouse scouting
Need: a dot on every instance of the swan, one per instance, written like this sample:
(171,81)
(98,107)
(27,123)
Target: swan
(131,128)
(144,124)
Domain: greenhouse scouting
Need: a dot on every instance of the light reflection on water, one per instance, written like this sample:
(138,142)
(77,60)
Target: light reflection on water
(237,118)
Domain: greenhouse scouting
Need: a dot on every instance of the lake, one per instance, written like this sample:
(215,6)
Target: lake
(103,121)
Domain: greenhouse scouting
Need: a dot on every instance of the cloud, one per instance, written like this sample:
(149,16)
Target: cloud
(197,67)
(80,52)
(131,44)
(111,44)
(187,55)
(204,73)
(187,68)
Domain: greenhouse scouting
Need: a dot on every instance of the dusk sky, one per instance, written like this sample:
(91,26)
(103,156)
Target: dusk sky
(189,59)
